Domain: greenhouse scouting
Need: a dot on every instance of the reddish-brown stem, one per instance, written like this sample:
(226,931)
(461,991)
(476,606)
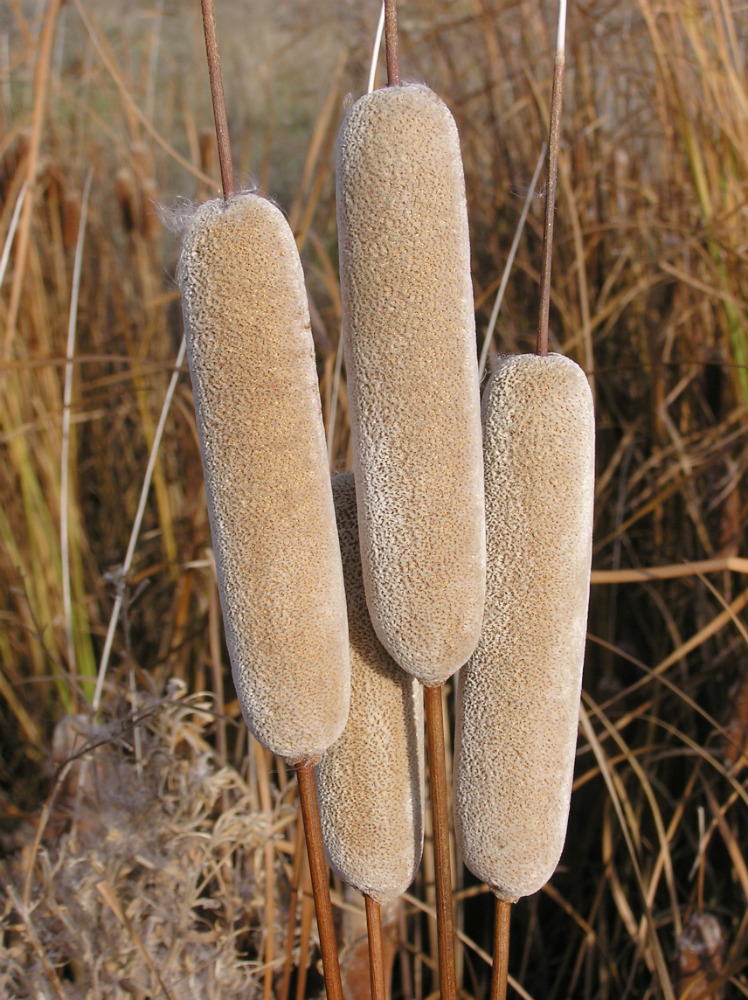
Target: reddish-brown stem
(320,880)
(440,823)
(554,139)
(376,949)
(554,142)
(390,43)
(219,104)
(500,970)
(293,900)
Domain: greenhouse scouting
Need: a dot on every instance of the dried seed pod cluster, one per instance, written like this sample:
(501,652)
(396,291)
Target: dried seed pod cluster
(264,456)
(370,782)
(409,332)
(518,697)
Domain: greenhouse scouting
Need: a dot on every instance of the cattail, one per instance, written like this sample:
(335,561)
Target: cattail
(518,697)
(126,198)
(370,782)
(409,332)
(265,464)
(71,217)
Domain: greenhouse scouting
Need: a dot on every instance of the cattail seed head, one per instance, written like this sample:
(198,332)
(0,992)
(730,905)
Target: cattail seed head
(370,782)
(518,696)
(265,464)
(410,355)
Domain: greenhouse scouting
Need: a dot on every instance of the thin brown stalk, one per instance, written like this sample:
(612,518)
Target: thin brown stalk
(263,786)
(320,880)
(376,949)
(219,103)
(500,969)
(214,636)
(440,823)
(554,140)
(305,932)
(390,43)
(293,900)
(41,78)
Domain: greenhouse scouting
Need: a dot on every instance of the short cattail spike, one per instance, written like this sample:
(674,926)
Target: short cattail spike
(518,696)
(370,782)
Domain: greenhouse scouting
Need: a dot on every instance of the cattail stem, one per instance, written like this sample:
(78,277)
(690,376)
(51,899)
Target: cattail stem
(320,880)
(219,104)
(554,141)
(440,824)
(293,900)
(376,950)
(500,970)
(390,43)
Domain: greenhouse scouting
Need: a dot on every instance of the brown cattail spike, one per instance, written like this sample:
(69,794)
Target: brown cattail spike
(409,338)
(518,696)
(262,439)
(370,782)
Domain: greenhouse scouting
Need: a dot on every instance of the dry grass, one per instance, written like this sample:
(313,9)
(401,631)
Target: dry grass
(650,286)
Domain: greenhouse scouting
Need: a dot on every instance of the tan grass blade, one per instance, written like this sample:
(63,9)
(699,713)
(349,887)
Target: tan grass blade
(66,431)
(628,830)
(137,524)
(41,79)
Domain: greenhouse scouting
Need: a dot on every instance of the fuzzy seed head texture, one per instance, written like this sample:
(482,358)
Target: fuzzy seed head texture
(370,783)
(409,340)
(518,696)
(264,457)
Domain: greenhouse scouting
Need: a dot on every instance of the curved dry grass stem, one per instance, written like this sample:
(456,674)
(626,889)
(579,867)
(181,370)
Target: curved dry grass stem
(488,339)
(554,139)
(66,425)
(375,51)
(41,79)
(440,824)
(219,104)
(320,880)
(135,533)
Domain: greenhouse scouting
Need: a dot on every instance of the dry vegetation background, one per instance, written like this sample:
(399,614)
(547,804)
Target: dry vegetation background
(147,850)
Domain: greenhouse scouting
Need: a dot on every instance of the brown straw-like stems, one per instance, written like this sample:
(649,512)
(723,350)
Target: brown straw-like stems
(320,880)
(500,970)
(440,824)
(376,949)
(293,900)
(219,104)
(554,140)
(390,43)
